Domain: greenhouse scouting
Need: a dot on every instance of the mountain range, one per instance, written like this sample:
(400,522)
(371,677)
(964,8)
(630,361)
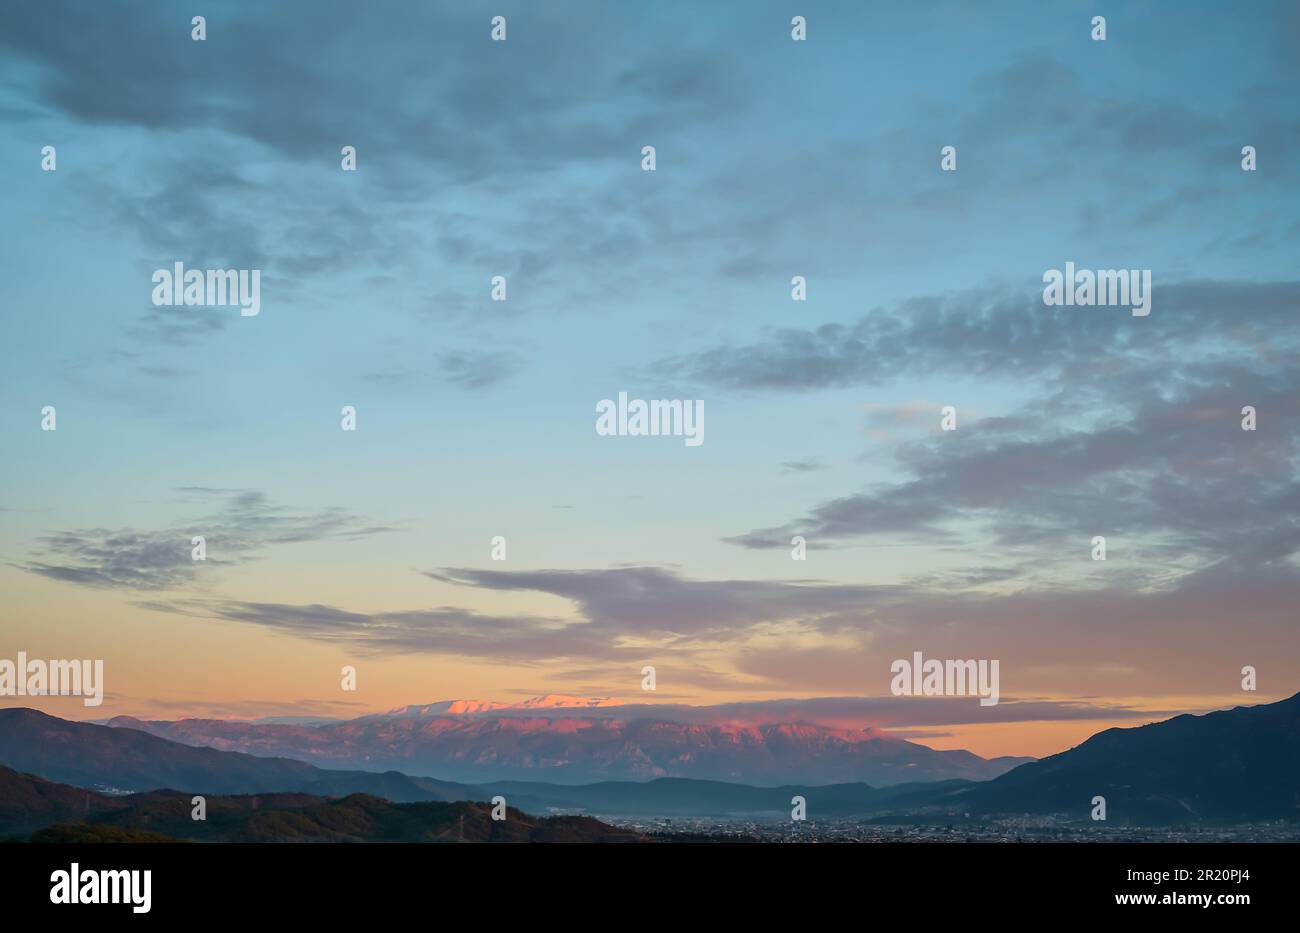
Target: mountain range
(574,740)
(1229,767)
(127,760)
(114,761)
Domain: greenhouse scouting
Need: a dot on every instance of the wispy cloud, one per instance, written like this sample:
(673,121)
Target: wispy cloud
(808,635)
(245,524)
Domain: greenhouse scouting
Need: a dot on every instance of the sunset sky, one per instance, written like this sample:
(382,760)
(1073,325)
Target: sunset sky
(822,418)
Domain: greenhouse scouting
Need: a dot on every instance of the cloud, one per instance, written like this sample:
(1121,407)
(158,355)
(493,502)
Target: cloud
(893,713)
(1002,333)
(477,369)
(1166,467)
(1122,429)
(245,524)
(226,152)
(472,370)
(1113,636)
(250,710)
(619,611)
(173,328)
(441,630)
(659,604)
(809,465)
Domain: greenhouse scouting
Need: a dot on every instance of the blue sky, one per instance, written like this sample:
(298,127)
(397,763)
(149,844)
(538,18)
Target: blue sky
(775,158)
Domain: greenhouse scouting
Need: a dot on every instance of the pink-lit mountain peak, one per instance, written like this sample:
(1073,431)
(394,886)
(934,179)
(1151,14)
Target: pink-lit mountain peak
(563,701)
(473,707)
(465,707)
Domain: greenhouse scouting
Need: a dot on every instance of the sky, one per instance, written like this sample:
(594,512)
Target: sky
(475,418)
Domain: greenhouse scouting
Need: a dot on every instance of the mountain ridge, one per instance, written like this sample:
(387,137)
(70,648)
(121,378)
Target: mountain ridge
(1239,765)
(125,759)
(565,745)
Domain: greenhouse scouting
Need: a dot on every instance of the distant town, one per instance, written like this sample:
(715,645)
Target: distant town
(1011,829)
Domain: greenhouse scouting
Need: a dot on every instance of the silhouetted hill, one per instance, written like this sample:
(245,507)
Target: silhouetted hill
(362,818)
(163,816)
(1237,765)
(28,802)
(123,759)
(81,833)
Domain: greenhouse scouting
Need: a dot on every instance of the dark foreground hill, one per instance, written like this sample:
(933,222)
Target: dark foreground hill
(28,802)
(686,797)
(58,813)
(1234,766)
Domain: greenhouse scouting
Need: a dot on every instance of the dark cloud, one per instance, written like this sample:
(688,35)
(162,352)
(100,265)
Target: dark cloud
(809,465)
(657,603)
(1123,638)
(178,327)
(1132,428)
(245,524)
(469,369)
(1003,333)
(444,630)
(300,98)
(472,369)
(254,710)
(617,611)
(1170,466)
(459,110)
(889,712)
